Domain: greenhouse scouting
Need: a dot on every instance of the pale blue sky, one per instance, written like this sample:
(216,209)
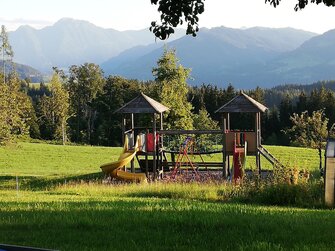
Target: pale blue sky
(137,14)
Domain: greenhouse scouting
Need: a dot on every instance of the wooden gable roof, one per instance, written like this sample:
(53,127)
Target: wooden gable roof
(242,103)
(142,104)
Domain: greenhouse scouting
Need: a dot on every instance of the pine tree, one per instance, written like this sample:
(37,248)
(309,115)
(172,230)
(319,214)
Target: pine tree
(13,107)
(6,50)
(55,109)
(173,89)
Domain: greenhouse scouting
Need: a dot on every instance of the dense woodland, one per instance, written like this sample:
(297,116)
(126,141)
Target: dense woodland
(80,107)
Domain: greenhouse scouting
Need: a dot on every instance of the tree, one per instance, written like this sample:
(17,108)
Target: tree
(5,49)
(309,131)
(285,111)
(257,94)
(116,92)
(55,109)
(173,12)
(302,102)
(13,103)
(203,121)
(13,109)
(172,90)
(302,3)
(84,84)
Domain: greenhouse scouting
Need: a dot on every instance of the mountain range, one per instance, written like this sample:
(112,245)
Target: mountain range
(218,56)
(244,57)
(71,41)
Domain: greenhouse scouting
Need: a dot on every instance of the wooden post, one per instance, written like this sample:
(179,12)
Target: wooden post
(146,165)
(257,134)
(146,156)
(224,147)
(161,168)
(260,128)
(228,121)
(132,167)
(154,166)
(329,182)
(259,140)
(173,159)
(123,128)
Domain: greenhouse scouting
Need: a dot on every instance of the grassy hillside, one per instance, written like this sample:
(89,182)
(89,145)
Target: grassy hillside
(62,204)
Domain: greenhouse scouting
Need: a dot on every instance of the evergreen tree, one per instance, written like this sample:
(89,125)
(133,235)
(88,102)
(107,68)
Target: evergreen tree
(285,111)
(55,109)
(203,121)
(13,109)
(173,89)
(5,49)
(257,94)
(301,105)
(13,103)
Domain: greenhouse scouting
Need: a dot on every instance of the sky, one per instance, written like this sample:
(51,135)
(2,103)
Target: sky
(138,14)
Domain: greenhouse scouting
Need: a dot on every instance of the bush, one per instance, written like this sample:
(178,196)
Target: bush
(285,187)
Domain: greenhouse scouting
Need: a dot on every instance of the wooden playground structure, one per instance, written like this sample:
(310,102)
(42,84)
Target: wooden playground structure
(151,152)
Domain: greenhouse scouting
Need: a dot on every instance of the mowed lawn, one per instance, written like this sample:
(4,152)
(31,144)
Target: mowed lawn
(25,159)
(33,159)
(85,214)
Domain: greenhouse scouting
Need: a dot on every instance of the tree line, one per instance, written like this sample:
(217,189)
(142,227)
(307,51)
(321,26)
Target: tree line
(80,107)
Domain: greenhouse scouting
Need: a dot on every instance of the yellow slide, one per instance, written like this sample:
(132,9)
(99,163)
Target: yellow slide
(114,168)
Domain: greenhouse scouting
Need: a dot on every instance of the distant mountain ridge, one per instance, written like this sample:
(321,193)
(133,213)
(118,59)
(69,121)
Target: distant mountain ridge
(24,71)
(70,41)
(244,57)
(219,55)
(314,60)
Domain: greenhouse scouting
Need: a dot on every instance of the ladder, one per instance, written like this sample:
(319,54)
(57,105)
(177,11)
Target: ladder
(272,159)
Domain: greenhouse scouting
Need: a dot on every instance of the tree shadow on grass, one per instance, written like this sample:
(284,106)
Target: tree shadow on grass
(161,225)
(42,183)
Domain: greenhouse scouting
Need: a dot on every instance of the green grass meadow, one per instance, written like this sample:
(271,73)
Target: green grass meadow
(63,204)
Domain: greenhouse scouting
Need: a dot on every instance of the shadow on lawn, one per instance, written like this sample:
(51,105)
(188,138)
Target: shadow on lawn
(42,183)
(175,225)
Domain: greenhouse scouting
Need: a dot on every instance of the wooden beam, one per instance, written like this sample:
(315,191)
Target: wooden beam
(179,132)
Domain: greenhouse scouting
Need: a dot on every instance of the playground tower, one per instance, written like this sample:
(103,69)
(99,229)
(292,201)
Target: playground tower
(143,104)
(242,103)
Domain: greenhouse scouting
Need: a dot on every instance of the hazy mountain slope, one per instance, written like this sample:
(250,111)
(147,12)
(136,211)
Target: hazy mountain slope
(24,71)
(219,55)
(71,41)
(314,60)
